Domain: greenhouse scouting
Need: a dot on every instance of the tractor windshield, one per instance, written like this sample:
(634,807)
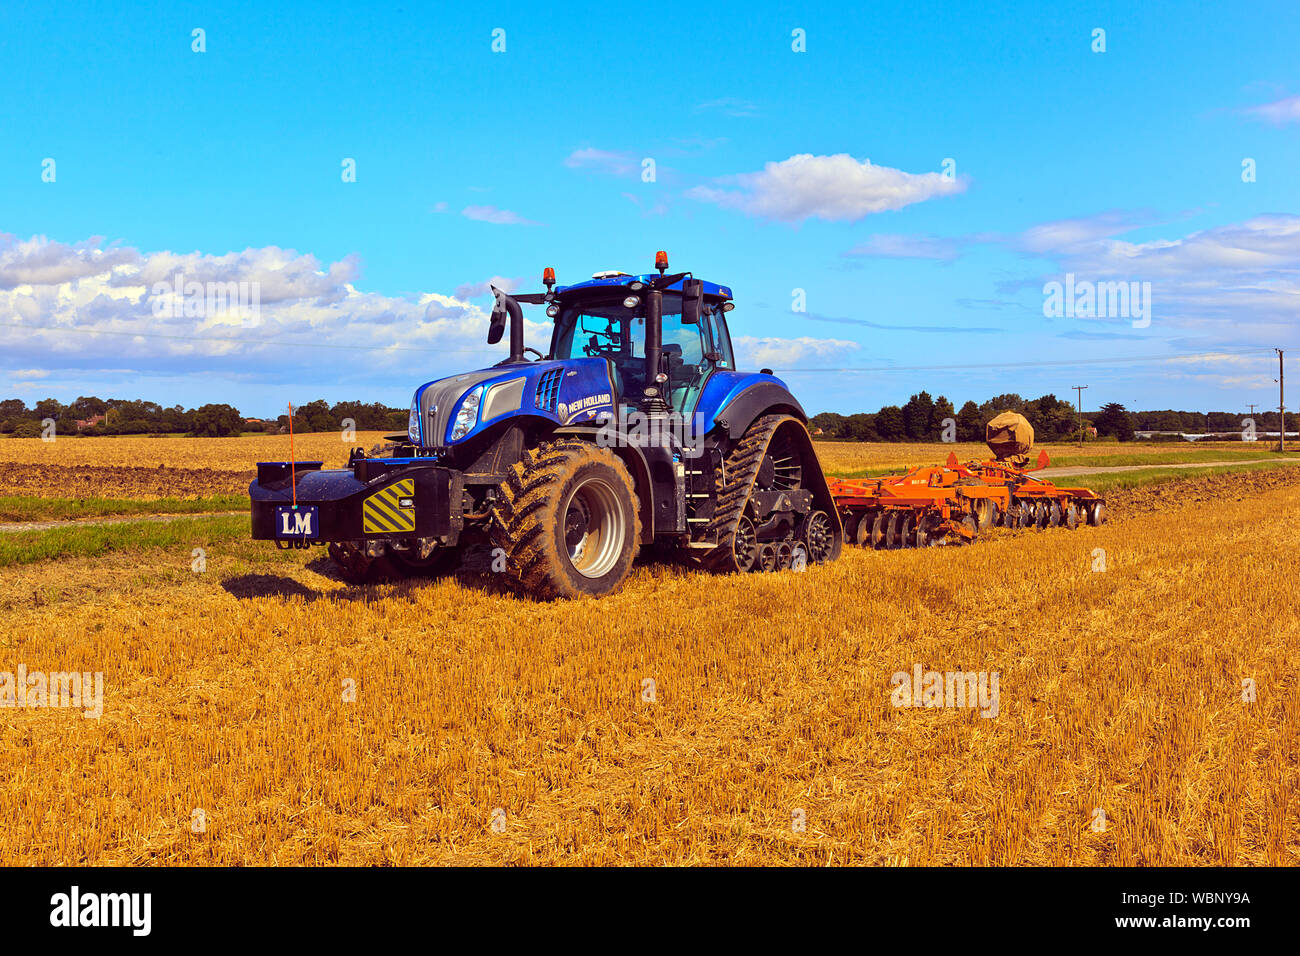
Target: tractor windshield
(610,330)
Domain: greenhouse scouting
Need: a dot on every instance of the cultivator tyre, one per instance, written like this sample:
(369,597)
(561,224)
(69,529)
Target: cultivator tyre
(907,532)
(566,518)
(1041,513)
(1054,514)
(1070,516)
(984,510)
(766,558)
(774,449)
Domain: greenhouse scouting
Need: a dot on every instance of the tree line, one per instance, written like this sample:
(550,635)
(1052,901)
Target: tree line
(924,418)
(90,415)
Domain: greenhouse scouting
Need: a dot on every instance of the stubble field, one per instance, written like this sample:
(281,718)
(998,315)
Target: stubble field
(257,710)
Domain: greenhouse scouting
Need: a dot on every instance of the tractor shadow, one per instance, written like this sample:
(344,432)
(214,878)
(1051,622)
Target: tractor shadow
(474,573)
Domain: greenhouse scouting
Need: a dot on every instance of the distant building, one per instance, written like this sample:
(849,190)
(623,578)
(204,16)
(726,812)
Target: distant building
(1209,436)
(84,423)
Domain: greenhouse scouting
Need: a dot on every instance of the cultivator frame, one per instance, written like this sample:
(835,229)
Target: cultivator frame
(951,503)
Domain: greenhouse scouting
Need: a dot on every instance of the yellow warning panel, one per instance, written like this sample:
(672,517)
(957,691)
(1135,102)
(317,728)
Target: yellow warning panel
(390,510)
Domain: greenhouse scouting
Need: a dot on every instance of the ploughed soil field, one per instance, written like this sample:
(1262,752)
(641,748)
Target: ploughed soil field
(256,710)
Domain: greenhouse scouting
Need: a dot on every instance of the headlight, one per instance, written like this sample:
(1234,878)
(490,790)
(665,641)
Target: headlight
(413,423)
(467,417)
(631,302)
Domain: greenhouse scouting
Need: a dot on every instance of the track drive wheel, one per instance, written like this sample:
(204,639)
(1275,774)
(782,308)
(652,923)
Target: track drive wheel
(745,545)
(817,536)
(566,517)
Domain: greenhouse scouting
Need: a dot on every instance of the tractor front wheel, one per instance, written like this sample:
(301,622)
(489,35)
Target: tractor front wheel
(566,518)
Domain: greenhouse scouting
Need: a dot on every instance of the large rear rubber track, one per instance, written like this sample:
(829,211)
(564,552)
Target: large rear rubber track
(739,473)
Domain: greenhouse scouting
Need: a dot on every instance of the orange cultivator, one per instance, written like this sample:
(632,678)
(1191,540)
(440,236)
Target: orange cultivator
(952,503)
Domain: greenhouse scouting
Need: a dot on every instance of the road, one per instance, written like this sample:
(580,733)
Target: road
(1108,469)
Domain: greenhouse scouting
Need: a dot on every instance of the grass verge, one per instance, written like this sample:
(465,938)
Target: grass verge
(32,508)
(27,547)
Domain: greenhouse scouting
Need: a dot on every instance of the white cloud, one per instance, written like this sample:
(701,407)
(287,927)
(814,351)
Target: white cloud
(37,261)
(1279,112)
(836,188)
(499,217)
(472,290)
(1069,235)
(892,246)
(604,161)
(1232,285)
(70,307)
(770,352)
(729,106)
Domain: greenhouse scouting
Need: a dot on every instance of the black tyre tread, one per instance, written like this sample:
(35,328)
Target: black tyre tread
(524,514)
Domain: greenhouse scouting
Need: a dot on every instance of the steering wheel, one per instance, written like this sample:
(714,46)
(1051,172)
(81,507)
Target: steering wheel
(540,356)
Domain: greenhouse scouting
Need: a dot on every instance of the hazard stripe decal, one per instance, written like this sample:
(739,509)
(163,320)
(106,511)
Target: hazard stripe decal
(382,514)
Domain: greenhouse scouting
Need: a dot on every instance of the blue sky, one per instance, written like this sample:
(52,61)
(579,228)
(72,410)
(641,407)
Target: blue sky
(224,165)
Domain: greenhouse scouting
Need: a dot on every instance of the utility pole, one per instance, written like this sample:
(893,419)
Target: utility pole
(1078,413)
(1281,406)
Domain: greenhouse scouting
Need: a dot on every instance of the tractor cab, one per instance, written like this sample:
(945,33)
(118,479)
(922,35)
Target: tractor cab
(605,318)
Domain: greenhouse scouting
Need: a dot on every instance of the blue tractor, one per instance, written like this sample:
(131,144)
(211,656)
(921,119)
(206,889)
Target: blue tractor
(634,429)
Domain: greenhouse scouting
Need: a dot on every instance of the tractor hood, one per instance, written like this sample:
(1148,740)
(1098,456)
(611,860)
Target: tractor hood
(450,410)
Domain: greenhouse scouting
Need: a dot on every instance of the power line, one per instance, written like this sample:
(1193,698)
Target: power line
(1063,363)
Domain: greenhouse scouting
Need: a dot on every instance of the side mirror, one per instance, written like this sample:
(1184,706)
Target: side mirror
(496,324)
(692,301)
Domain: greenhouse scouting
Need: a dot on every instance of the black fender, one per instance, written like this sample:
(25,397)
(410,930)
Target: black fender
(761,398)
